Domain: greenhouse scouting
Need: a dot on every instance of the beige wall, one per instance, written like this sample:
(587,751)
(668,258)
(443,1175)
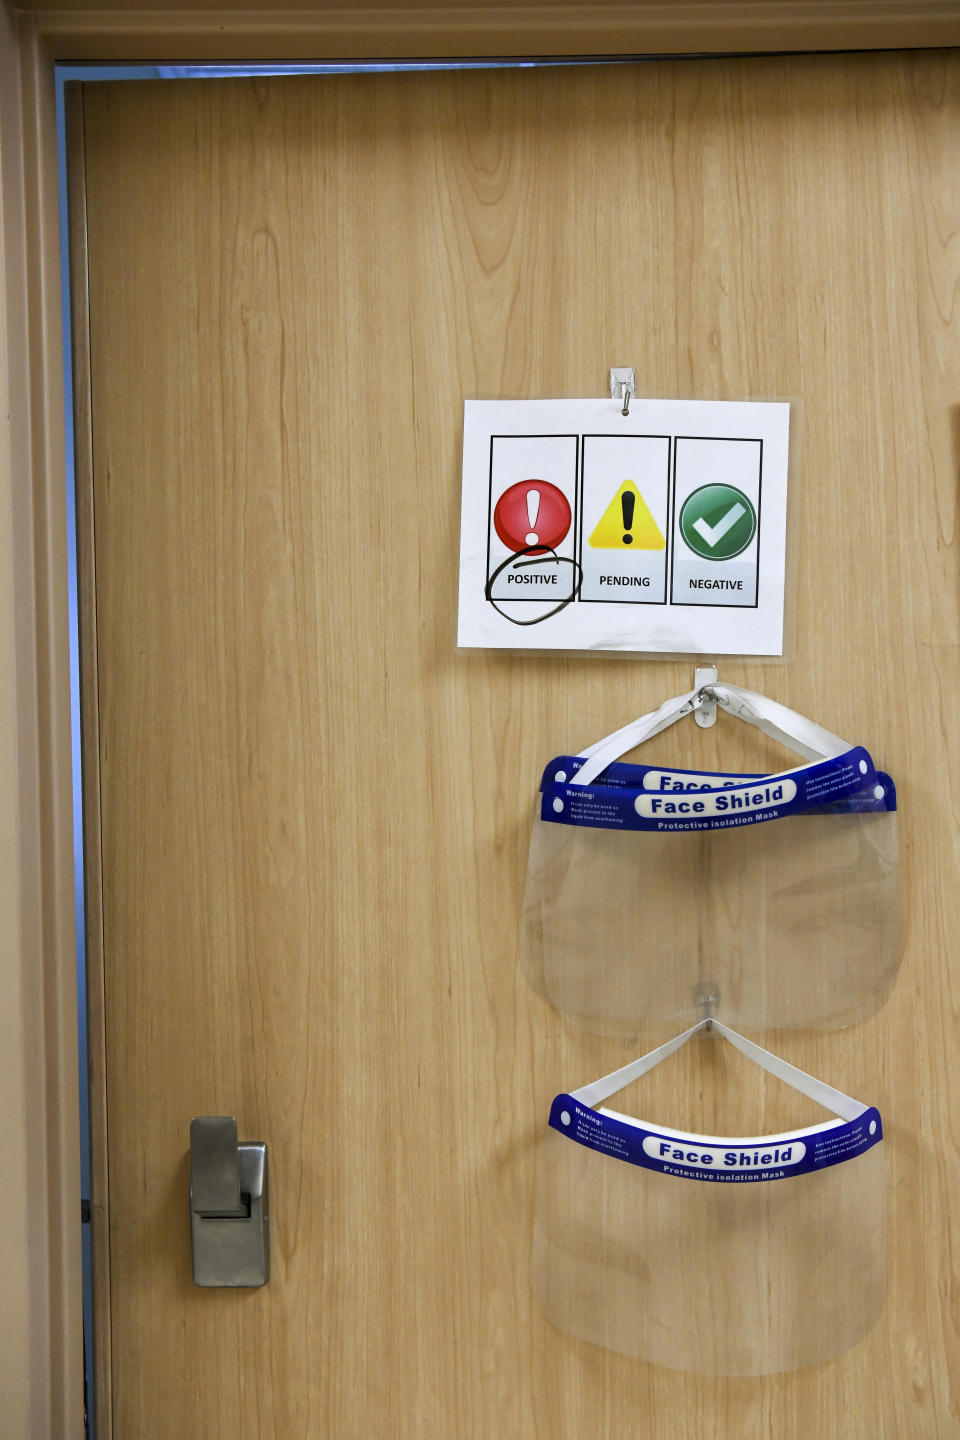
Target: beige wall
(125,30)
(40,1333)
(14,1271)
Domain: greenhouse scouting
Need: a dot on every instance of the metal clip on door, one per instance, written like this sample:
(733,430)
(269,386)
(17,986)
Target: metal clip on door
(623,384)
(703,677)
(228,1205)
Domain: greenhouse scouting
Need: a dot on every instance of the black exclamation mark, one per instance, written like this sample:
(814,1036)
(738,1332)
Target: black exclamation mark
(627,503)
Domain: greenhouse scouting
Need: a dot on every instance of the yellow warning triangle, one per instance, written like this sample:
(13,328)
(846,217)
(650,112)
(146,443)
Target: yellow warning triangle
(627,524)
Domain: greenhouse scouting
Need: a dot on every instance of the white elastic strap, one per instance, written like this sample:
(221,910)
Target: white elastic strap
(618,1079)
(843,1105)
(626,733)
(799,734)
(805,737)
(611,747)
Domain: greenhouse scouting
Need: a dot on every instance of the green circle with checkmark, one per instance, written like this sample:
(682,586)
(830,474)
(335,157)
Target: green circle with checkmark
(718,522)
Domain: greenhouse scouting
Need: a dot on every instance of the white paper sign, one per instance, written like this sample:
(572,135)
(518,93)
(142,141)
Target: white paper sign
(663,530)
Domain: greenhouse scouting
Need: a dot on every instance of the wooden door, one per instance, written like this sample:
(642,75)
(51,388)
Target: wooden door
(308,814)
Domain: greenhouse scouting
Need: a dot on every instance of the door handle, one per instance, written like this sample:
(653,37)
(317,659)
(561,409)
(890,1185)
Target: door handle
(229,1215)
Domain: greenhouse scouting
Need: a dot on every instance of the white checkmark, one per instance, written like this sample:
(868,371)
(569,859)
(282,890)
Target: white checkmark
(712,534)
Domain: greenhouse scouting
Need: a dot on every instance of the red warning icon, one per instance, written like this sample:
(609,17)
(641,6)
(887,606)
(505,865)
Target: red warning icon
(532,514)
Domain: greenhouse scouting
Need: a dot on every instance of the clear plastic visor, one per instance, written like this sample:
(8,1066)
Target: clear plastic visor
(717,1279)
(750,1272)
(793,922)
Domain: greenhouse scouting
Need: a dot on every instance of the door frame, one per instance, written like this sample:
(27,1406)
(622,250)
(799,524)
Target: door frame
(41,1364)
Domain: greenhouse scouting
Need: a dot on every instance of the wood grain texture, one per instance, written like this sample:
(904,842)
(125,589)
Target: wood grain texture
(308,30)
(315,813)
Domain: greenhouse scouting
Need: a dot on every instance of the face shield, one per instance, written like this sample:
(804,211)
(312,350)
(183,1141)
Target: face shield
(715,1254)
(650,889)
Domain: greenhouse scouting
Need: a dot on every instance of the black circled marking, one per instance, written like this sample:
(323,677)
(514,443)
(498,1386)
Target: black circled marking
(543,559)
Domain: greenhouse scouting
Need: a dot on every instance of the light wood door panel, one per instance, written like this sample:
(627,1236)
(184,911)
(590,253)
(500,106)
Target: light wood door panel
(315,812)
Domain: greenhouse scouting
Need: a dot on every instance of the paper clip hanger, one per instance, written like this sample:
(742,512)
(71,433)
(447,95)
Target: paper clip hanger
(623,384)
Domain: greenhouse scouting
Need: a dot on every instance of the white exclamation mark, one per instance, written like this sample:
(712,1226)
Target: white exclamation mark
(533,510)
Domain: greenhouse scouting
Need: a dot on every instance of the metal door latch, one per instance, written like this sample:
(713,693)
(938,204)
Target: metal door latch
(228,1205)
